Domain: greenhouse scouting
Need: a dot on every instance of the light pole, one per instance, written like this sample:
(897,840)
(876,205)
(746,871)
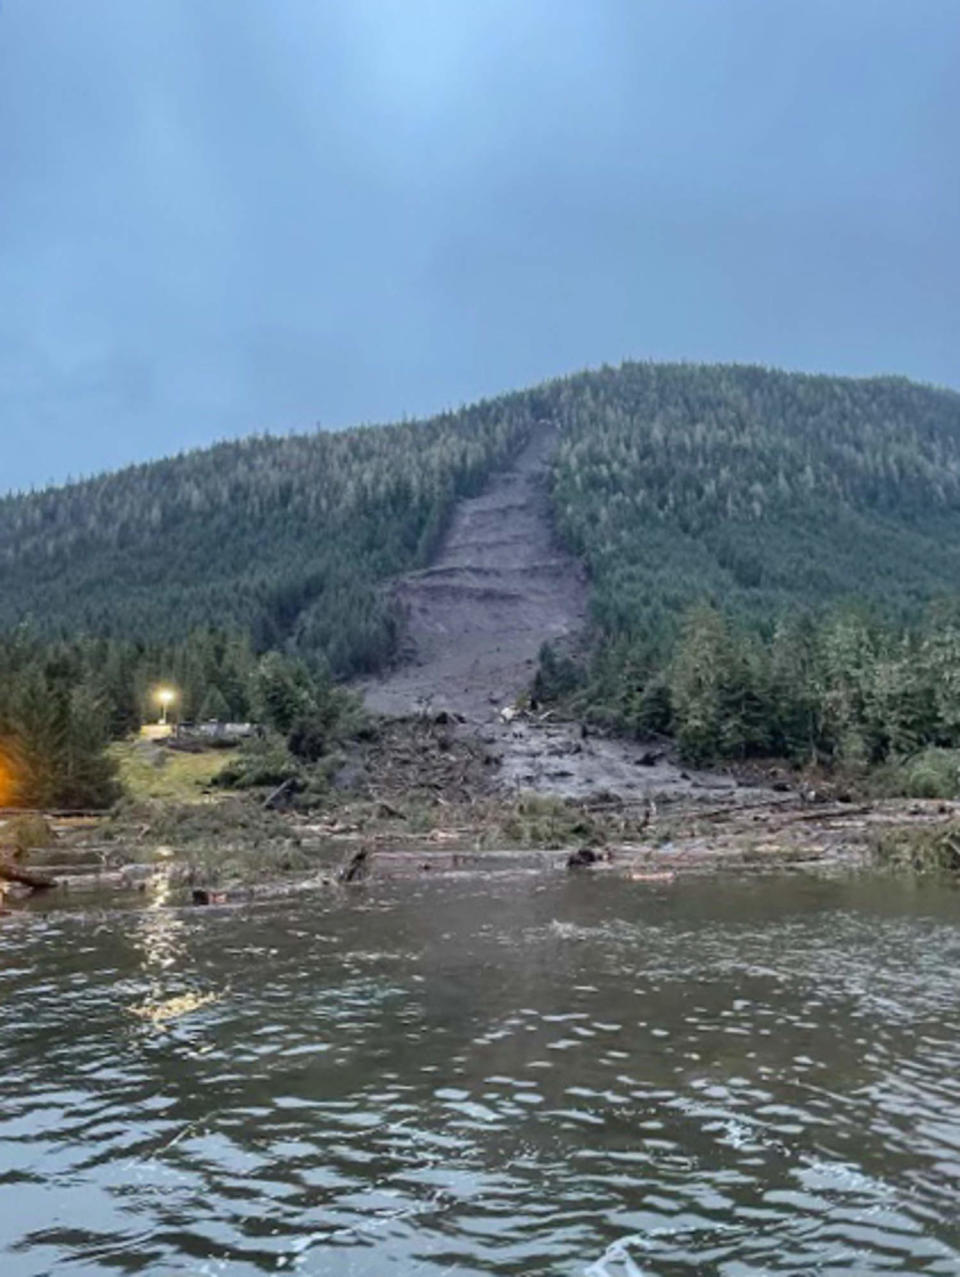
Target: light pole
(165,697)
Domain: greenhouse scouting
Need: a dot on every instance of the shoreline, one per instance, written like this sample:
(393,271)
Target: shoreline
(241,855)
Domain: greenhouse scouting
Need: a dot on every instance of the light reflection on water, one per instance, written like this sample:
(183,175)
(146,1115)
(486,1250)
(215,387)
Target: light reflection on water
(524,1076)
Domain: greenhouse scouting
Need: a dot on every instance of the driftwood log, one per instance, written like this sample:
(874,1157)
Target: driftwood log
(26,877)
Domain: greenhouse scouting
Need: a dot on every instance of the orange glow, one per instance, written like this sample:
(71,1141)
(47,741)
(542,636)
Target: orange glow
(11,775)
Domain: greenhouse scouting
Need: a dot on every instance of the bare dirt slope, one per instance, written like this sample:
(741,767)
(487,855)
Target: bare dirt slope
(500,585)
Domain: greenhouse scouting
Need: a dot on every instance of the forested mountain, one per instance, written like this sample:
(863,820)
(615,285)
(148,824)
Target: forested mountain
(817,517)
(730,517)
(282,538)
(754,489)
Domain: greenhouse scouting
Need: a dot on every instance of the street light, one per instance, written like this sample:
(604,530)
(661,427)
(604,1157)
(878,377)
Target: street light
(164,696)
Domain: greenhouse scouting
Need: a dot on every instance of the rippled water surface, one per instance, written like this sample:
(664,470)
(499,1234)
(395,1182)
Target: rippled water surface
(530,1076)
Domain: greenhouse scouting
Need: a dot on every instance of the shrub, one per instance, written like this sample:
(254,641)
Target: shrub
(260,761)
(25,833)
(935,850)
(933,773)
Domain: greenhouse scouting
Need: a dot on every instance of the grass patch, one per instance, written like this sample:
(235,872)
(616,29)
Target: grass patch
(935,850)
(233,821)
(148,771)
(231,840)
(537,820)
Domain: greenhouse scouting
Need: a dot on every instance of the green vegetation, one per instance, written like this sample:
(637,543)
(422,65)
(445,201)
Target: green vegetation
(729,517)
(748,488)
(26,833)
(54,725)
(233,840)
(844,688)
(930,773)
(754,490)
(929,849)
(62,703)
(537,820)
(282,539)
(147,771)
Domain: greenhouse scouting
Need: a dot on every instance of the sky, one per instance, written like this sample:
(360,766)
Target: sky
(227,216)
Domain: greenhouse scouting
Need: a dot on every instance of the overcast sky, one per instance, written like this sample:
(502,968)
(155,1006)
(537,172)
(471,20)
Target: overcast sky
(220,216)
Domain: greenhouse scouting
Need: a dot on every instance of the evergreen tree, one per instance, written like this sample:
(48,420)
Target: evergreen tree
(214,707)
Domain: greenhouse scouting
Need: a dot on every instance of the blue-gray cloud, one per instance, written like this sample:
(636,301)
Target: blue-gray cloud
(246,214)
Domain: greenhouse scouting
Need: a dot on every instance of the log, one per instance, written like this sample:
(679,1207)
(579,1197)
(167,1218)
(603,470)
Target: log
(26,877)
(281,793)
(54,813)
(828,813)
(734,809)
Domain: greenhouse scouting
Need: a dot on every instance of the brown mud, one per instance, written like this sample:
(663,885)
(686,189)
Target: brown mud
(501,585)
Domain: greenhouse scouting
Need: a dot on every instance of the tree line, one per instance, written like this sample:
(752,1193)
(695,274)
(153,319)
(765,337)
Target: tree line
(62,702)
(844,687)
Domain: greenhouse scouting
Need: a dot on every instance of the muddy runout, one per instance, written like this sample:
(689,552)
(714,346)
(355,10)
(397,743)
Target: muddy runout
(500,586)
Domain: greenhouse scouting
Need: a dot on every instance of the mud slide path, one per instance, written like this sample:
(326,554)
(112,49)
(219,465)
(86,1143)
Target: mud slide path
(500,586)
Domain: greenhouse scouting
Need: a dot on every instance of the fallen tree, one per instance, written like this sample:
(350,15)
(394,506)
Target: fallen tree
(25,877)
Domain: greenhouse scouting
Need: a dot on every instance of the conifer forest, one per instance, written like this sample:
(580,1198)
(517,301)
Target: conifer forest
(773,562)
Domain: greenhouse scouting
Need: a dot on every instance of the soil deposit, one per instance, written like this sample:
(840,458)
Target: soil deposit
(501,585)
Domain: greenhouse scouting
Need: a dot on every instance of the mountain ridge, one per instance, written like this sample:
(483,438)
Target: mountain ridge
(662,477)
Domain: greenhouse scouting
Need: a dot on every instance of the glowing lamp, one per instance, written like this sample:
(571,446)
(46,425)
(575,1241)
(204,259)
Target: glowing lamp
(164,696)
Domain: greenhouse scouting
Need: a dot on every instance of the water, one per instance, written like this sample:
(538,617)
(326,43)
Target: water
(530,1076)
